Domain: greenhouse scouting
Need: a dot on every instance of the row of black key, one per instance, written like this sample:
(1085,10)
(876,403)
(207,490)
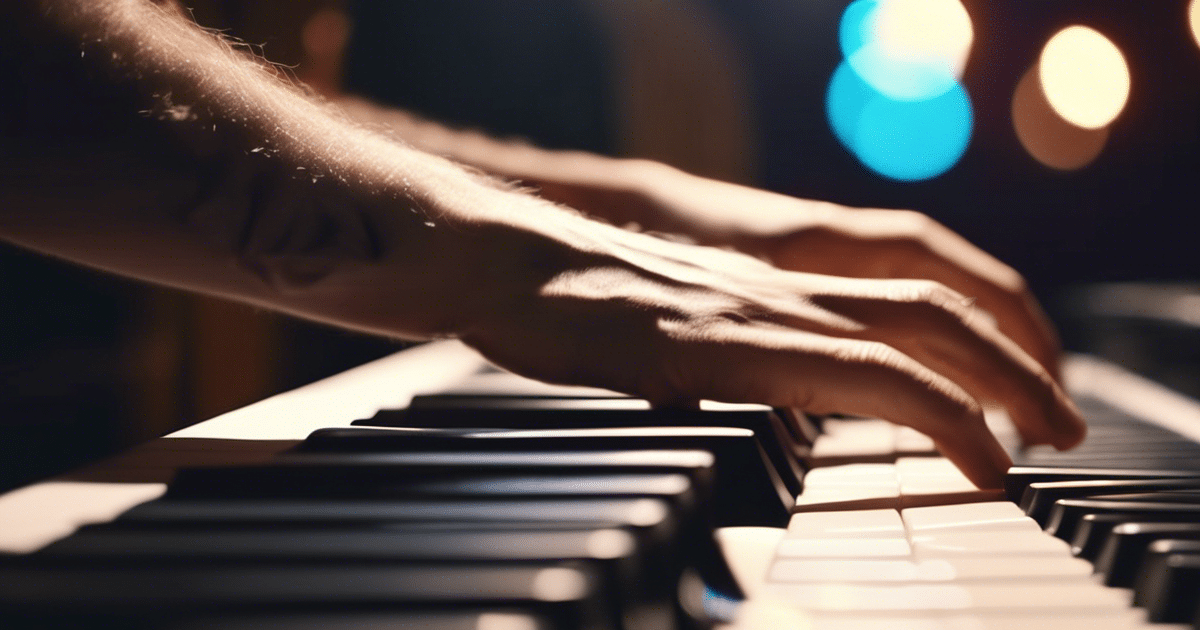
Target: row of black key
(556,529)
(1129,502)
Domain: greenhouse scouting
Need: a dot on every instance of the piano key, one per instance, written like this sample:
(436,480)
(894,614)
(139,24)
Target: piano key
(777,435)
(639,581)
(625,512)
(844,548)
(1071,595)
(565,595)
(1039,498)
(442,620)
(1168,582)
(1122,554)
(936,481)
(986,516)
(913,443)
(860,440)
(745,480)
(848,524)
(1045,620)
(1007,543)
(850,487)
(1093,529)
(1019,476)
(947,569)
(1065,517)
(399,474)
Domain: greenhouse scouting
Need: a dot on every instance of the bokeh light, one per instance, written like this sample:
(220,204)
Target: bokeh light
(901,140)
(1194,20)
(907,49)
(1045,135)
(895,101)
(1084,77)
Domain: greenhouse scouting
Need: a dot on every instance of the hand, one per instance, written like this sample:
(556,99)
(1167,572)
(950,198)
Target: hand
(676,323)
(829,239)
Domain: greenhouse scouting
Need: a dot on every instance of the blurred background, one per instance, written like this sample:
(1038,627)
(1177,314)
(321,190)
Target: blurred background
(1059,135)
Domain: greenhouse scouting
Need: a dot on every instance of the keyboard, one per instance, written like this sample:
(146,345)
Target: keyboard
(430,490)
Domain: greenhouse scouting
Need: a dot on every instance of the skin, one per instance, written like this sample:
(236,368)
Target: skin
(223,178)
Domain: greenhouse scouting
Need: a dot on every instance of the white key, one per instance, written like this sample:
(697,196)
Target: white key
(935,481)
(849,498)
(988,516)
(852,475)
(845,571)
(1133,619)
(853,523)
(1003,568)
(846,440)
(850,487)
(1076,595)
(844,548)
(909,441)
(997,543)
(877,622)
(960,569)
(1100,620)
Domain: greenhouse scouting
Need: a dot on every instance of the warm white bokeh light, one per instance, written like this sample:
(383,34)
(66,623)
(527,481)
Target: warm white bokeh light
(1045,135)
(933,32)
(1084,77)
(1194,20)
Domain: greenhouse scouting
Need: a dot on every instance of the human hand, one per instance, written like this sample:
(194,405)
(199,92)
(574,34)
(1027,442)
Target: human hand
(825,238)
(676,323)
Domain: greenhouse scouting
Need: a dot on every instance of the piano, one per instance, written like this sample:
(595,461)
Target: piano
(430,490)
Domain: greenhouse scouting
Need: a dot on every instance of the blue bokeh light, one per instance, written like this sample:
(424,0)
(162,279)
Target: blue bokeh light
(904,119)
(901,140)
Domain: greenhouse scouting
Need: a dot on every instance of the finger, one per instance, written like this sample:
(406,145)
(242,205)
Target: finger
(936,326)
(900,244)
(781,367)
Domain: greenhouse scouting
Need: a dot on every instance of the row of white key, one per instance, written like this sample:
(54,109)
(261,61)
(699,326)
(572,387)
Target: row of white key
(909,482)
(887,536)
(979,566)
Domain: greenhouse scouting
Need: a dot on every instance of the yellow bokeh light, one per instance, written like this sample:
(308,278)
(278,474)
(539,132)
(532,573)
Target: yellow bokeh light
(1194,20)
(1084,77)
(934,32)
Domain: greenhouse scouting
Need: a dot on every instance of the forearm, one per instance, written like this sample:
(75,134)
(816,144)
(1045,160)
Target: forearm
(223,179)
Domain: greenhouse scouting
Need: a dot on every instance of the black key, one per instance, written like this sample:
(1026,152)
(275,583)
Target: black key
(781,438)
(565,595)
(653,515)
(1065,517)
(1126,546)
(1093,529)
(662,475)
(1039,497)
(641,583)
(679,475)
(1019,477)
(1168,584)
(746,483)
(367,621)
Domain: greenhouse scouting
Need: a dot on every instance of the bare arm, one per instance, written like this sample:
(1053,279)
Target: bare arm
(221,178)
(790,233)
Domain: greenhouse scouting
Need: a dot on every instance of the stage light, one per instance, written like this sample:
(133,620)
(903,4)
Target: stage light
(901,140)
(895,102)
(1194,20)
(1084,77)
(907,49)
(1045,135)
